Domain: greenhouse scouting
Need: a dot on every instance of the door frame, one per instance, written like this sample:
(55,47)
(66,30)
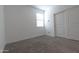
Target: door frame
(55,22)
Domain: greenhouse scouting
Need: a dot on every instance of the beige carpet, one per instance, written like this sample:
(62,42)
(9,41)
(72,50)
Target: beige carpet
(43,44)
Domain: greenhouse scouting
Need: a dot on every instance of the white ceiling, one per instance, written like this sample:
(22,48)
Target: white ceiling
(43,7)
(54,8)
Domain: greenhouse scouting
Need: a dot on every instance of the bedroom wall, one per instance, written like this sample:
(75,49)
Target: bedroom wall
(2,29)
(21,23)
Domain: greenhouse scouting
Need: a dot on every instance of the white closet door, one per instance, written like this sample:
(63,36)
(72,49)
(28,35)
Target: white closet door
(67,24)
(59,19)
(73,27)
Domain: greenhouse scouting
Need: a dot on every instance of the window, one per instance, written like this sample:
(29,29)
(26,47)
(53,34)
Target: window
(40,20)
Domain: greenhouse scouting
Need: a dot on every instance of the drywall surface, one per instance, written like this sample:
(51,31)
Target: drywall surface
(49,23)
(2,29)
(21,23)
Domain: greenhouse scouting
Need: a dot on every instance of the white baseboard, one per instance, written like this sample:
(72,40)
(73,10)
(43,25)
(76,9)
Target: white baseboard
(33,36)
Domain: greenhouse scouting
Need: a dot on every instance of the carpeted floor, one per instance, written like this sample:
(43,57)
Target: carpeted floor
(43,44)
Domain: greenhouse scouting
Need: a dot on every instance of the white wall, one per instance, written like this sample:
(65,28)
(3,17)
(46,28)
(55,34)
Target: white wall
(2,29)
(49,19)
(21,23)
(49,22)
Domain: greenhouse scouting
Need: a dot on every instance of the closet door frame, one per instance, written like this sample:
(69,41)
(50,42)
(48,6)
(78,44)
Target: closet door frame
(55,25)
(55,29)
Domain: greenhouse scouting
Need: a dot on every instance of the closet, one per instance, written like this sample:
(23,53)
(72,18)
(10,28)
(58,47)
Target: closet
(67,23)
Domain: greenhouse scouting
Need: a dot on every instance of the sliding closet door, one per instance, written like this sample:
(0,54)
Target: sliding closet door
(61,22)
(59,19)
(67,23)
(73,16)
